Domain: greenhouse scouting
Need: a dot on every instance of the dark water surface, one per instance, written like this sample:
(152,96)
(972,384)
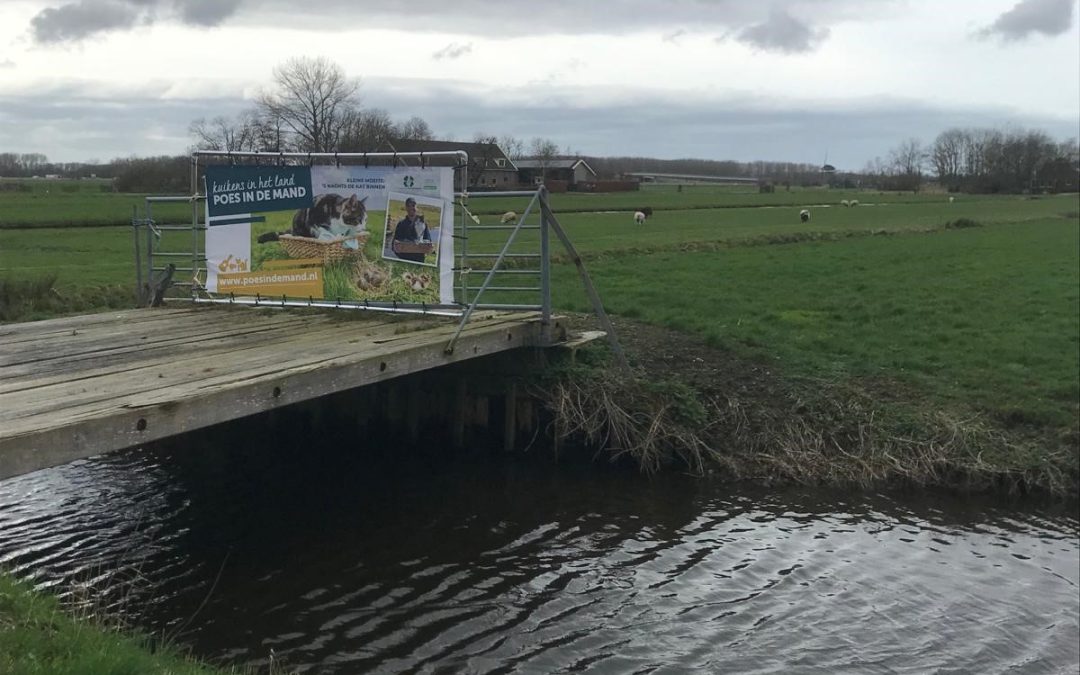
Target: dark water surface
(340,560)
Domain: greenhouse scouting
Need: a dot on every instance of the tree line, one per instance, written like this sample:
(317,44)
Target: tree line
(981,160)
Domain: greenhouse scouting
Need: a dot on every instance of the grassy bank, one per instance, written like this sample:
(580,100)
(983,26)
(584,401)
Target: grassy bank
(37,636)
(983,316)
(938,358)
(39,298)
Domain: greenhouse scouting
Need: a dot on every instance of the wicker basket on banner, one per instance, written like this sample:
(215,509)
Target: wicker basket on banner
(423,247)
(327,250)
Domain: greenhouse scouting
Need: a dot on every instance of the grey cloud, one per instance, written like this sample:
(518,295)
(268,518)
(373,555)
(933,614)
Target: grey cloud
(1048,17)
(677,127)
(75,122)
(206,12)
(674,36)
(783,33)
(512,18)
(453,51)
(74,21)
(78,20)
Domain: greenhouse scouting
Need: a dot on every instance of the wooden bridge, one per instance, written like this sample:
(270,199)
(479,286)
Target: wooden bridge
(80,386)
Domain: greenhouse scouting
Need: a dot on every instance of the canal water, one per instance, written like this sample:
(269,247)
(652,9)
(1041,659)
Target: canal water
(329,556)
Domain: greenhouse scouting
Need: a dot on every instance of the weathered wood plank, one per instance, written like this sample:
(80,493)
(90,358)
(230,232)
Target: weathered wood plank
(59,326)
(269,348)
(81,347)
(191,376)
(180,345)
(42,440)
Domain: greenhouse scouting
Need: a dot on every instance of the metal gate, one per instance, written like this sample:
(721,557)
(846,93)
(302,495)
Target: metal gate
(491,273)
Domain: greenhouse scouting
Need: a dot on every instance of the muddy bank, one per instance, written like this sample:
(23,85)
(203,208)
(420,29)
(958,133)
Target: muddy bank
(709,410)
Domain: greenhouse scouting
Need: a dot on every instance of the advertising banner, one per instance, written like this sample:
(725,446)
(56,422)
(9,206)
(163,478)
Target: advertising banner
(348,233)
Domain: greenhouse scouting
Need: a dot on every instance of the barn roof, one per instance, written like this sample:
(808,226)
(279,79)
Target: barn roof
(553,164)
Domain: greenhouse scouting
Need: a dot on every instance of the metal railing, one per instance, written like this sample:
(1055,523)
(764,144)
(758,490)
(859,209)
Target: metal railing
(148,236)
(537,216)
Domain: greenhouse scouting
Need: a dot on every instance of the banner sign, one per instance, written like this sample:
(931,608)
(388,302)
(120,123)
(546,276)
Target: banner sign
(243,189)
(349,233)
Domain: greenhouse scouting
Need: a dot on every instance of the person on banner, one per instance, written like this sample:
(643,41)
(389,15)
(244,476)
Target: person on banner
(413,230)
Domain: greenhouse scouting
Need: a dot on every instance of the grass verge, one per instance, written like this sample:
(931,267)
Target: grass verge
(38,637)
(39,298)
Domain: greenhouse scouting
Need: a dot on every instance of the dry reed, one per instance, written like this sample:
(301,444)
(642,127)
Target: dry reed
(828,435)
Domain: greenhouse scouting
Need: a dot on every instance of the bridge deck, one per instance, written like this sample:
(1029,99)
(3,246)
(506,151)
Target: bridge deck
(79,386)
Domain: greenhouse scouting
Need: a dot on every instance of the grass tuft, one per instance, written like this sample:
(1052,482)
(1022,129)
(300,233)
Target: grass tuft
(961,224)
(38,297)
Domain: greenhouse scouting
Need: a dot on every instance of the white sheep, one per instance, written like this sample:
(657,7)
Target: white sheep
(639,217)
(853,202)
(508,217)
(844,202)
(952,199)
(804,215)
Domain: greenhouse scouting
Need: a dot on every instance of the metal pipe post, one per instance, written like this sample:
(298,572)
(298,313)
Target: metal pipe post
(590,290)
(491,275)
(149,254)
(138,253)
(545,267)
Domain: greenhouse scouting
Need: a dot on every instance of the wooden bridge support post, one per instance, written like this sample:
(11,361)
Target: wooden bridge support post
(458,427)
(510,417)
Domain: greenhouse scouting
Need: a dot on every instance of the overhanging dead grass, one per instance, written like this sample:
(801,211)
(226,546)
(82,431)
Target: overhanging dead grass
(815,433)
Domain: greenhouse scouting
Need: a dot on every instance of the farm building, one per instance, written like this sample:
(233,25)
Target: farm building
(570,171)
(489,166)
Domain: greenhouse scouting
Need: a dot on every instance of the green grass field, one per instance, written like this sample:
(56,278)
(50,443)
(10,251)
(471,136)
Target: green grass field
(606,232)
(75,203)
(26,203)
(985,317)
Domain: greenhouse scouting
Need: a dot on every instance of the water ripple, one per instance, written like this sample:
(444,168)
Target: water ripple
(506,565)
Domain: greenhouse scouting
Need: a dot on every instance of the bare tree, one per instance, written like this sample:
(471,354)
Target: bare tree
(544,150)
(513,147)
(267,130)
(480,160)
(907,161)
(947,157)
(366,130)
(313,99)
(414,129)
(222,133)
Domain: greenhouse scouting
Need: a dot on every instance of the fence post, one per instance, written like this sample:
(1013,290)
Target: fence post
(545,268)
(138,255)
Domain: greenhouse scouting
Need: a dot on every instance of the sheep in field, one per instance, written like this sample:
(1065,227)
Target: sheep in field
(804,215)
(844,202)
(952,199)
(854,202)
(508,217)
(639,217)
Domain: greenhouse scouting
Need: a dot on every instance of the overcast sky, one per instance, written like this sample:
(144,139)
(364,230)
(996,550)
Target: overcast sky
(797,80)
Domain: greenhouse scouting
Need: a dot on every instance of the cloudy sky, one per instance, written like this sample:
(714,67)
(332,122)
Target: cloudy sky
(797,80)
